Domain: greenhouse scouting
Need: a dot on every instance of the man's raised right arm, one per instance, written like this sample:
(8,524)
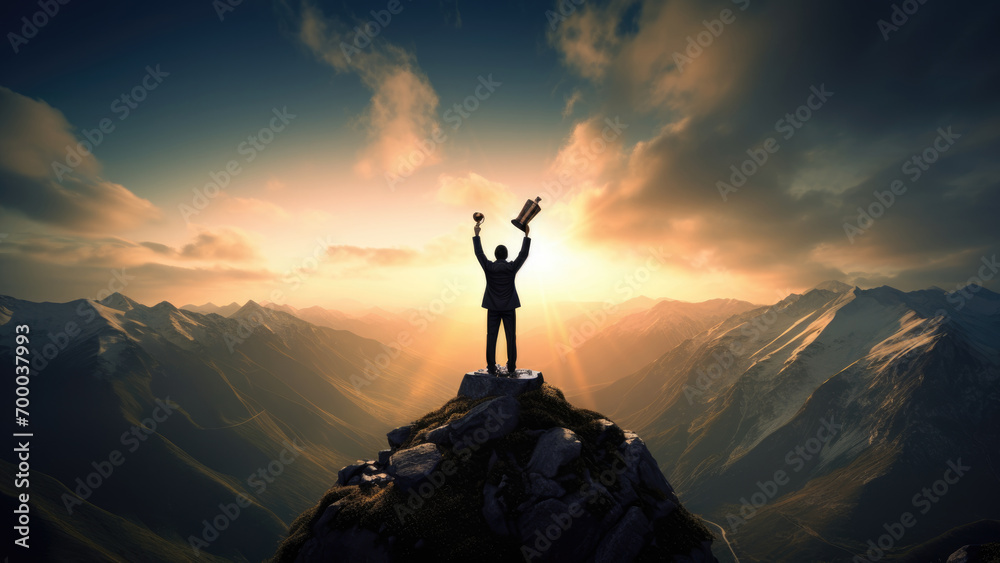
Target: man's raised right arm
(523,255)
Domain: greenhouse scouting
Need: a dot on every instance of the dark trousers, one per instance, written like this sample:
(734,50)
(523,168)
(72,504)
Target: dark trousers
(493,319)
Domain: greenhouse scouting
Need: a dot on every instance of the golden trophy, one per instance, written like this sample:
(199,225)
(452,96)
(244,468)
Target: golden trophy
(528,212)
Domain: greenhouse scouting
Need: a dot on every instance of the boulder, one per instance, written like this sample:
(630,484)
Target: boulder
(383,457)
(626,539)
(411,465)
(642,466)
(364,474)
(494,509)
(486,421)
(379,479)
(440,435)
(345,474)
(540,516)
(544,487)
(553,530)
(556,447)
(399,435)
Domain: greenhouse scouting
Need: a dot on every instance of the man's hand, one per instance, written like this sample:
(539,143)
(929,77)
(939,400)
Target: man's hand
(476,230)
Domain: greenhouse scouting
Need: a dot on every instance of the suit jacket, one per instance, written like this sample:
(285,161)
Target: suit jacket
(501,295)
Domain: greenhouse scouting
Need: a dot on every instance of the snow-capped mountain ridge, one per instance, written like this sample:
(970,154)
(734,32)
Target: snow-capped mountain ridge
(909,377)
(100,368)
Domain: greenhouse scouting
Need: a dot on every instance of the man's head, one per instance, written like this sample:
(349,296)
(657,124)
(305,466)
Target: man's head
(500,252)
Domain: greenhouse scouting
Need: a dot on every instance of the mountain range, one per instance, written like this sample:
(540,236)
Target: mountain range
(246,393)
(601,344)
(633,340)
(806,430)
(823,419)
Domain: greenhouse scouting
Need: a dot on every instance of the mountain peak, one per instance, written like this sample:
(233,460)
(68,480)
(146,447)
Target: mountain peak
(120,302)
(272,318)
(500,473)
(248,307)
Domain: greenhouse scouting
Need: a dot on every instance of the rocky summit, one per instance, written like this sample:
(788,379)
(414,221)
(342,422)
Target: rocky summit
(478,384)
(502,478)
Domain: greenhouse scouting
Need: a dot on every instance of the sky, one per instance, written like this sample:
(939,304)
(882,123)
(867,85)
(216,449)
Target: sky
(311,153)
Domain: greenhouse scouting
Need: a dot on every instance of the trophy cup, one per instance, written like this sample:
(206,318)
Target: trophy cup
(528,212)
(479,218)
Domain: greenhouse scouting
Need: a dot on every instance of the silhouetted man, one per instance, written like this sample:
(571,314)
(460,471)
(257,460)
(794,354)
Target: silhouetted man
(500,299)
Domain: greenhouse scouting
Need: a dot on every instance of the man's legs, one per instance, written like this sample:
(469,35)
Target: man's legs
(510,331)
(492,332)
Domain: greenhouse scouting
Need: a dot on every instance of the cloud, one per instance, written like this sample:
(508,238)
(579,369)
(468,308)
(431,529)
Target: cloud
(473,190)
(228,244)
(222,245)
(587,39)
(158,248)
(785,226)
(403,107)
(591,154)
(40,280)
(360,261)
(571,102)
(649,66)
(33,136)
(65,267)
